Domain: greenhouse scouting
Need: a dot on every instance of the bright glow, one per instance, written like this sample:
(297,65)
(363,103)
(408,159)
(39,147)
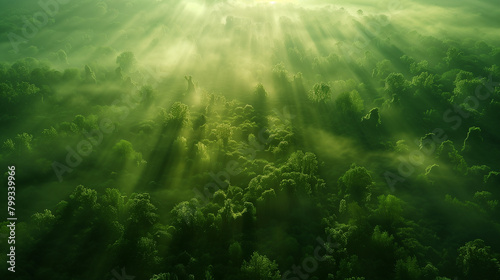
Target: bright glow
(275,1)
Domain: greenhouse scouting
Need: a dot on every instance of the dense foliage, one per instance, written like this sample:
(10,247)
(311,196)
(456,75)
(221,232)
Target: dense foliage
(326,166)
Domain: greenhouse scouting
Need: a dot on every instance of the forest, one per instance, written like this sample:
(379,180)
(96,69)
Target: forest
(250,140)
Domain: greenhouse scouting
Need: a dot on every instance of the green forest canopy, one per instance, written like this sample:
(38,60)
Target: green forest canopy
(252,139)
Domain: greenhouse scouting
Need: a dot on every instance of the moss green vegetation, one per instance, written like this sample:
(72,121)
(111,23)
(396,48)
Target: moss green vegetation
(251,139)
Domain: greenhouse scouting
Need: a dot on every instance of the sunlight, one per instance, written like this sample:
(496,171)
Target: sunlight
(228,139)
(275,2)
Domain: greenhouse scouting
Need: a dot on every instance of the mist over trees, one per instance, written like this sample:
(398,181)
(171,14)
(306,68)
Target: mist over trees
(252,139)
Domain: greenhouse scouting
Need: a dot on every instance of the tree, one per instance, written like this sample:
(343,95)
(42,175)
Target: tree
(485,199)
(89,75)
(424,85)
(9,146)
(83,205)
(309,164)
(396,86)
(49,133)
(84,198)
(349,266)
(223,133)
(126,61)
(320,93)
(147,251)
(454,58)
(7,94)
(477,262)
(125,152)
(83,123)
(382,240)
(190,89)
(147,94)
(355,183)
(448,154)
(407,269)
(235,252)
(429,272)
(389,210)
(382,69)
(188,214)
(473,142)
(260,92)
(492,180)
(142,212)
(260,99)
(23,142)
(177,117)
(371,120)
(417,68)
(62,56)
(259,267)
(43,222)
(349,107)
(164,276)
(465,85)
(27,90)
